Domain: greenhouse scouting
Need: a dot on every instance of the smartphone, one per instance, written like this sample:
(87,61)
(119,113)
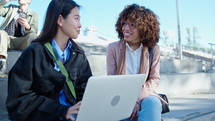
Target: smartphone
(22,15)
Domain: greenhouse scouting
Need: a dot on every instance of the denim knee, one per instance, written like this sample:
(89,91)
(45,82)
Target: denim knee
(151,102)
(150,109)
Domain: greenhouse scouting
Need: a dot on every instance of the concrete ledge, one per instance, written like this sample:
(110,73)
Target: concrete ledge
(97,64)
(191,83)
(13,55)
(171,66)
(177,66)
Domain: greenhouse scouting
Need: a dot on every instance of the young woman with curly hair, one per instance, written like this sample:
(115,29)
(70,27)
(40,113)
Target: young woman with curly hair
(138,29)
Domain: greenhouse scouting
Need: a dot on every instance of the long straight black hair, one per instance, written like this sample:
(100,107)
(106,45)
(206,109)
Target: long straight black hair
(55,9)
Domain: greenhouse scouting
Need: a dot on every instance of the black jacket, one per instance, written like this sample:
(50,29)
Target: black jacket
(34,85)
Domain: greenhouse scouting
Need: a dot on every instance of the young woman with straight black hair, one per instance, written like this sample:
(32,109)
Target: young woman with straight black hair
(37,90)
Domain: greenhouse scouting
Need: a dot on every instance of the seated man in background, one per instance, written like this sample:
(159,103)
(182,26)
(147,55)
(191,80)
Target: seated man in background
(18,29)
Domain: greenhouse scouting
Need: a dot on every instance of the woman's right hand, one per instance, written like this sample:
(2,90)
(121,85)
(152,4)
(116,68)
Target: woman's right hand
(136,109)
(73,110)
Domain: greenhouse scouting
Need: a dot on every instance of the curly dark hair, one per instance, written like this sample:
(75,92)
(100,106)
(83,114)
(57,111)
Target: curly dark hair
(145,21)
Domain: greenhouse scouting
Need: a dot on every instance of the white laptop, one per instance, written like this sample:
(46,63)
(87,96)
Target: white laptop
(110,98)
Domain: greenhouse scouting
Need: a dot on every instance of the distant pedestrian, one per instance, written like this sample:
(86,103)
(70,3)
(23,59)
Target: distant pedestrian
(18,29)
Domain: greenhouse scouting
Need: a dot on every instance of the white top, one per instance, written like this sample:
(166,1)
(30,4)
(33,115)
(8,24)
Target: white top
(133,58)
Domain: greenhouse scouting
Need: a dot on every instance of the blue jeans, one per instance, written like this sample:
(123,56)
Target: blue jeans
(150,109)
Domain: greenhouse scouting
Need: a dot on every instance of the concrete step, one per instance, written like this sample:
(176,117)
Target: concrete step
(13,55)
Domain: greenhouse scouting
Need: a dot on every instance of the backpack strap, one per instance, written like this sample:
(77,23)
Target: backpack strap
(150,60)
(150,56)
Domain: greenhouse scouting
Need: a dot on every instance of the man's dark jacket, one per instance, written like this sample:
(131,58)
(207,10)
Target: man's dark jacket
(34,85)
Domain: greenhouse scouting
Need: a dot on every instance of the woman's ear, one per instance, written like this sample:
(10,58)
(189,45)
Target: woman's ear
(59,21)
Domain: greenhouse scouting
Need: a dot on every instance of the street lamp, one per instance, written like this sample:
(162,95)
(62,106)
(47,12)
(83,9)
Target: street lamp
(212,60)
(179,33)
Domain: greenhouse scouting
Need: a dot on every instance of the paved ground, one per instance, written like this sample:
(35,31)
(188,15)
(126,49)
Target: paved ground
(197,107)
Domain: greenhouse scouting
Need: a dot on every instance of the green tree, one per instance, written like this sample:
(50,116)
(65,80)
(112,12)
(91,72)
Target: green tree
(195,35)
(188,36)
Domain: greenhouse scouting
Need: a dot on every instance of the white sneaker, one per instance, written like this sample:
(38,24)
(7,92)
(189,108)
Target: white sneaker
(2,66)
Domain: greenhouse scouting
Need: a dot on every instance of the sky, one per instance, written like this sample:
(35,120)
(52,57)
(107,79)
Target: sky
(102,14)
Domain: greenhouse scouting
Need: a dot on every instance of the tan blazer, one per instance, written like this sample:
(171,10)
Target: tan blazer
(113,55)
